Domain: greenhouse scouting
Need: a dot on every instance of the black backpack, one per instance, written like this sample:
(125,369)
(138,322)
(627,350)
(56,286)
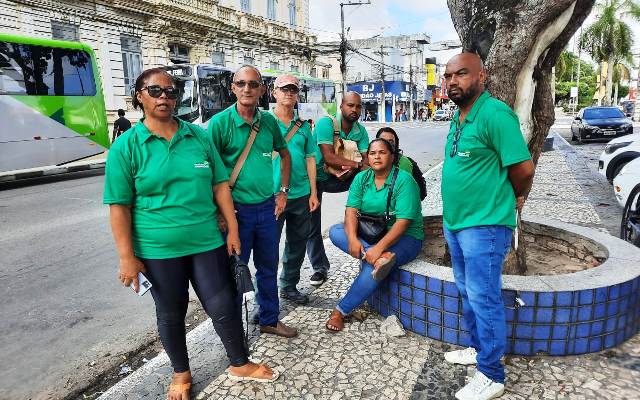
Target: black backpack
(419,178)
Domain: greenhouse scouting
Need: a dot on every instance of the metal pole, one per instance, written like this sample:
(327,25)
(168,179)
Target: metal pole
(636,108)
(383,101)
(343,52)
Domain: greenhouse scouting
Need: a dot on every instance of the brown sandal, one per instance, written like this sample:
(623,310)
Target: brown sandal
(336,320)
(180,388)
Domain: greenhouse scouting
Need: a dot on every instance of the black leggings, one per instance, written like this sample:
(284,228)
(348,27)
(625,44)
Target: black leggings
(211,279)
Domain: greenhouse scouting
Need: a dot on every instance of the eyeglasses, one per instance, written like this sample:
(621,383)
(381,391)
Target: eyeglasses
(156,91)
(289,89)
(456,139)
(252,84)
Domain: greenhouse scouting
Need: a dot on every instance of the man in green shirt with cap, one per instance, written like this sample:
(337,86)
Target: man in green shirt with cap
(256,208)
(486,175)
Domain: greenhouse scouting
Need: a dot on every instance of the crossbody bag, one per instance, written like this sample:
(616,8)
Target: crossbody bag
(373,227)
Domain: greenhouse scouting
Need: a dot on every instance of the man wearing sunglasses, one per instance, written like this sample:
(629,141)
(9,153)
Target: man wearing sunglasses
(486,175)
(256,207)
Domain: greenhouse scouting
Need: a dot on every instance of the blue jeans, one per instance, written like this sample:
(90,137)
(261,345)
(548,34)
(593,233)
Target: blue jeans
(259,232)
(477,254)
(406,249)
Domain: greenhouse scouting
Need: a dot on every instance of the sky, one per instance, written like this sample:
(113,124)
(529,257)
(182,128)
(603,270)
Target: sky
(393,17)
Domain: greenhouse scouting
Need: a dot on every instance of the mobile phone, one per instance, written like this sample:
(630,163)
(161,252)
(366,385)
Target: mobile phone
(143,284)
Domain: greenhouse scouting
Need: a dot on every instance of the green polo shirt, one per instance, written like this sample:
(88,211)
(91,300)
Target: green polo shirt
(324,135)
(301,146)
(230,134)
(405,199)
(169,188)
(476,190)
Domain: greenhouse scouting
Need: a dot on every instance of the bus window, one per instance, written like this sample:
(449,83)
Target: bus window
(330,92)
(187,105)
(45,71)
(315,93)
(215,91)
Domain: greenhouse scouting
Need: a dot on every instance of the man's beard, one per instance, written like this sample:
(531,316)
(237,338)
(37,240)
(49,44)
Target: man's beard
(465,97)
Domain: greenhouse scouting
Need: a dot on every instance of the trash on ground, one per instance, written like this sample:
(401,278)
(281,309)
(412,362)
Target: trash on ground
(392,327)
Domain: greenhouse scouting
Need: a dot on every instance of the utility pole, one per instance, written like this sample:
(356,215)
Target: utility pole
(343,44)
(382,113)
(636,107)
(411,54)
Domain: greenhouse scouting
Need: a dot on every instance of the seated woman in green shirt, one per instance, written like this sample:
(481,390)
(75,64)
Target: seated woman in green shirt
(399,245)
(164,183)
(404,162)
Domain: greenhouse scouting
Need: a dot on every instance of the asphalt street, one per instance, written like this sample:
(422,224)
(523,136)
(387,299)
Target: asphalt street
(65,317)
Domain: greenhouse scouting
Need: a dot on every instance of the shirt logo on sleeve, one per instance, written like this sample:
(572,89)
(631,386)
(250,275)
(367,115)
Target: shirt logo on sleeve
(201,165)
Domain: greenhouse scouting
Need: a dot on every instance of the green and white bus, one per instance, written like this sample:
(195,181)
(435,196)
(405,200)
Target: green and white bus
(205,89)
(51,103)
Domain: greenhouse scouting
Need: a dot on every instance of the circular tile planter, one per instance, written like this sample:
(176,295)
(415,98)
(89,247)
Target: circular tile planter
(571,313)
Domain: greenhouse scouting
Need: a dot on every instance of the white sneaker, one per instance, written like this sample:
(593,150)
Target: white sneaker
(480,388)
(465,356)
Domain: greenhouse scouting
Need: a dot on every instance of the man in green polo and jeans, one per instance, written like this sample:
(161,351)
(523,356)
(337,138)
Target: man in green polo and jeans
(303,198)
(486,176)
(350,129)
(256,208)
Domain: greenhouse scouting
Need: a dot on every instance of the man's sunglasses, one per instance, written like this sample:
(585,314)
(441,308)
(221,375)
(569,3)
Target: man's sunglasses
(156,91)
(454,145)
(252,84)
(289,89)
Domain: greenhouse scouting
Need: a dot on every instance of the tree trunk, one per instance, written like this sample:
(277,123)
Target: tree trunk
(607,96)
(615,95)
(520,42)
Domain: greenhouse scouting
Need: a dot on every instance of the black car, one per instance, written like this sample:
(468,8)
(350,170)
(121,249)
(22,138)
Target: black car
(597,123)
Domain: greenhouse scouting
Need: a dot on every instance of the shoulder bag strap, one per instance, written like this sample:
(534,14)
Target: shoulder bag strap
(290,134)
(336,130)
(390,192)
(255,128)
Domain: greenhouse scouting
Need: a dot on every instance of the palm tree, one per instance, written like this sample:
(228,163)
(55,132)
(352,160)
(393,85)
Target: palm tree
(609,39)
(621,73)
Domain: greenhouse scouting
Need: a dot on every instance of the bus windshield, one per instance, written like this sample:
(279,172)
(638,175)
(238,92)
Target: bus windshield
(187,105)
(215,91)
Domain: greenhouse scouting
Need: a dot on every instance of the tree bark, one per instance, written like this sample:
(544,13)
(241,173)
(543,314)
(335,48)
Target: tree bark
(609,84)
(520,42)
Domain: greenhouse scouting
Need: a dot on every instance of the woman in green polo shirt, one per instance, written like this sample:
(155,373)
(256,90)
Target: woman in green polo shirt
(403,239)
(164,183)
(404,162)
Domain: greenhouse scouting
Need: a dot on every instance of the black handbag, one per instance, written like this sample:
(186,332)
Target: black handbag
(372,227)
(244,284)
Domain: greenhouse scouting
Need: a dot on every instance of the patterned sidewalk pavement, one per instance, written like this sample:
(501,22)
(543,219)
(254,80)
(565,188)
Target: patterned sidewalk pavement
(362,363)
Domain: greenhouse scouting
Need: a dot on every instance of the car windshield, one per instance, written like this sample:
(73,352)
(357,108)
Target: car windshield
(602,113)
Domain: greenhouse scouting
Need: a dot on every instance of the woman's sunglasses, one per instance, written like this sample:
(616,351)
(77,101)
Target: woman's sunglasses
(156,91)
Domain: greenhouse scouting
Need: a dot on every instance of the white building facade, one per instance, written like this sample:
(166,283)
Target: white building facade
(130,36)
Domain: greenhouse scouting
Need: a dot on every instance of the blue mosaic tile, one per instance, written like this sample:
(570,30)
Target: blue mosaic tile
(419,312)
(465,339)
(595,344)
(450,289)
(384,310)
(542,332)
(582,330)
(394,289)
(584,313)
(522,347)
(405,277)
(601,295)
(451,320)
(394,303)
(609,341)
(434,300)
(406,321)
(451,304)
(463,324)
(420,297)
(560,332)
(564,299)
(581,346)
(434,285)
(600,311)
(525,314)
(419,327)
(624,304)
(625,288)
(622,320)
(434,331)
(544,315)
(614,292)
(405,292)
(524,331)
(620,337)
(420,281)
(597,328)
(540,346)
(434,316)
(586,296)
(611,324)
(450,335)
(509,314)
(509,298)
(405,307)
(545,299)
(562,315)
(528,298)
(612,308)
(636,285)
(558,348)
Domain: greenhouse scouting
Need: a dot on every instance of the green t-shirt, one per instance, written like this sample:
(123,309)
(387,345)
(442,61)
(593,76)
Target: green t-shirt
(476,190)
(405,199)
(230,134)
(301,146)
(405,164)
(169,188)
(324,135)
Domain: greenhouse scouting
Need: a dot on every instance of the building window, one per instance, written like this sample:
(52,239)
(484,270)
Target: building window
(248,60)
(245,6)
(294,68)
(314,72)
(271,9)
(274,65)
(292,12)
(325,73)
(131,61)
(178,54)
(62,31)
(217,57)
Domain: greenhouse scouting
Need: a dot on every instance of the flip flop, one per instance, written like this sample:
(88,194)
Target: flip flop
(383,265)
(179,388)
(336,320)
(261,368)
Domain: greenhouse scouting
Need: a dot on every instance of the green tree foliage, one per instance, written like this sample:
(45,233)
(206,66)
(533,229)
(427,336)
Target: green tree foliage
(567,75)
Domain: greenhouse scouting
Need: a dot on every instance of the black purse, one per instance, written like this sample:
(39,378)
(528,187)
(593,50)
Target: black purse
(372,227)
(244,284)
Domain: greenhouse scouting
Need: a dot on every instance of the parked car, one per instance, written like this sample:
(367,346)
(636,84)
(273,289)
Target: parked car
(597,123)
(626,187)
(617,153)
(441,115)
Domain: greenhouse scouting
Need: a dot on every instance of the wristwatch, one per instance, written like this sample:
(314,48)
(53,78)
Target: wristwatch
(284,189)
